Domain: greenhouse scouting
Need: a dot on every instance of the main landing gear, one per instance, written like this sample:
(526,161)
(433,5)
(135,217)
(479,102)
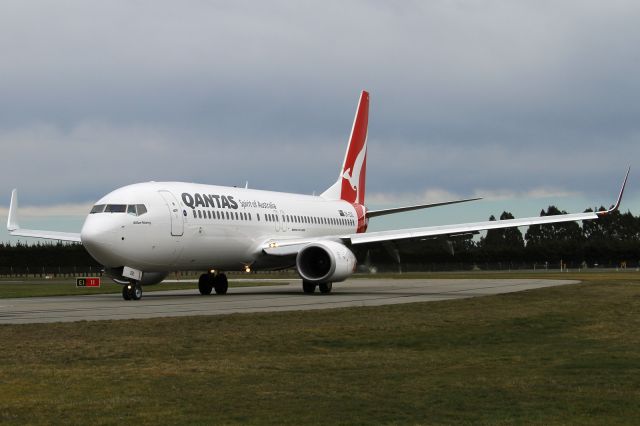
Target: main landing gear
(309,287)
(132,291)
(208,282)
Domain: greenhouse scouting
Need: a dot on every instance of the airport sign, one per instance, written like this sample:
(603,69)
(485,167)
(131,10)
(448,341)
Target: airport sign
(88,282)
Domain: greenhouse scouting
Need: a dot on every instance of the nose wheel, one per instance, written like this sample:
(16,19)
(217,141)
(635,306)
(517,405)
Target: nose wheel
(132,291)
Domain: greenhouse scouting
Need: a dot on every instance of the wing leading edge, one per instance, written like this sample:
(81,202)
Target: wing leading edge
(14,228)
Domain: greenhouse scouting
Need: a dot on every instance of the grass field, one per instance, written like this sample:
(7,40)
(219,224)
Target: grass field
(562,355)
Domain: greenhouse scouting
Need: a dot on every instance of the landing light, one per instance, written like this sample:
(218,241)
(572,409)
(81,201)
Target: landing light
(273,245)
(212,271)
(247,269)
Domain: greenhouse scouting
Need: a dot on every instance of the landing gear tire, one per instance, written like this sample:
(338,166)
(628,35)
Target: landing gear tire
(325,287)
(308,287)
(221,284)
(132,291)
(205,284)
(136,291)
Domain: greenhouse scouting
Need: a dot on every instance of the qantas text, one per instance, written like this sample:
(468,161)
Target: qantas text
(209,200)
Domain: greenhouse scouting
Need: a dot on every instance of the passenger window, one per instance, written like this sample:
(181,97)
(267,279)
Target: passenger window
(200,214)
(194,214)
(98,208)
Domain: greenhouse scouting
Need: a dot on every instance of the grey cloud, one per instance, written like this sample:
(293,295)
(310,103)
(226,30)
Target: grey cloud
(465,95)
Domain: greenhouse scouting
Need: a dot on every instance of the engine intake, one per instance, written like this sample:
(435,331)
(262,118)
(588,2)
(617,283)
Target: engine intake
(325,261)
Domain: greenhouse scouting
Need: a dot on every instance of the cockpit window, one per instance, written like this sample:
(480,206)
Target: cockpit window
(116,208)
(132,209)
(136,209)
(98,208)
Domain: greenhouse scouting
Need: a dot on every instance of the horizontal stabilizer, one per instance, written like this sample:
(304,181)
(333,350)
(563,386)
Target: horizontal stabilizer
(375,213)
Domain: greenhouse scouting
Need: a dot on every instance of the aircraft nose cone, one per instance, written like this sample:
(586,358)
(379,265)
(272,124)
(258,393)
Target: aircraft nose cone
(98,241)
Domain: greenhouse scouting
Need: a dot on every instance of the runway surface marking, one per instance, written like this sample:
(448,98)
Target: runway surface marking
(352,293)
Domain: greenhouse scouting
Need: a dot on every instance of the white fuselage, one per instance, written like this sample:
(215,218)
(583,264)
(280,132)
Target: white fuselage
(188,226)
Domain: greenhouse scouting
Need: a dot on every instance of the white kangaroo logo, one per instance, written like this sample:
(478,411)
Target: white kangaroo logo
(354,176)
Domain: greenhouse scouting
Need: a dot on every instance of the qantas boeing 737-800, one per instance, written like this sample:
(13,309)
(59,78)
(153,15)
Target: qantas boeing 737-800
(141,232)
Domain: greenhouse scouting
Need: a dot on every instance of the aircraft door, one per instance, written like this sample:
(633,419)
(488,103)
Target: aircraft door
(177,220)
(277,220)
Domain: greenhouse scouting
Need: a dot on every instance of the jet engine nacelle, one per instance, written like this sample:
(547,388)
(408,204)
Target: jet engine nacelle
(148,278)
(325,261)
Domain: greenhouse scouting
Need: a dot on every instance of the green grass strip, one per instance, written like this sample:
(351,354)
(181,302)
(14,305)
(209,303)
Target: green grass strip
(562,355)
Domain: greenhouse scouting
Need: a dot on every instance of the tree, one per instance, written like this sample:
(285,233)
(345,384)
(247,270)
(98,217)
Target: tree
(555,241)
(502,245)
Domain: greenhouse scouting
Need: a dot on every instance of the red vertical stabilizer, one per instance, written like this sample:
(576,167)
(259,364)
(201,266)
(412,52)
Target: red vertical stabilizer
(350,185)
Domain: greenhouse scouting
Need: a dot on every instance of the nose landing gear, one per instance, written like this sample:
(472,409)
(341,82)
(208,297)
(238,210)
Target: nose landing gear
(132,291)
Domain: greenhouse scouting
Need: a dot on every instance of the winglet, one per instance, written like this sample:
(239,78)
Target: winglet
(12,221)
(617,204)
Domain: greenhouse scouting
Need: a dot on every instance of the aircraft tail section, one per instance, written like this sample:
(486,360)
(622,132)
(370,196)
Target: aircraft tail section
(351,182)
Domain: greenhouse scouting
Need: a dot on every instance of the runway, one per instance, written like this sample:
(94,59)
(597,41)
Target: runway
(289,297)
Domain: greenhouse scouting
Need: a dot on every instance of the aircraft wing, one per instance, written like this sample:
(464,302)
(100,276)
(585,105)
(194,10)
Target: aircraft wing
(291,247)
(465,228)
(49,235)
(15,230)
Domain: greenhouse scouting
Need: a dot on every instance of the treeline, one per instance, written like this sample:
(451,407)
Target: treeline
(611,241)
(48,257)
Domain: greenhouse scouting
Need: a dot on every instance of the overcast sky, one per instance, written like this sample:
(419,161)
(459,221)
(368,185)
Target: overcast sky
(511,100)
